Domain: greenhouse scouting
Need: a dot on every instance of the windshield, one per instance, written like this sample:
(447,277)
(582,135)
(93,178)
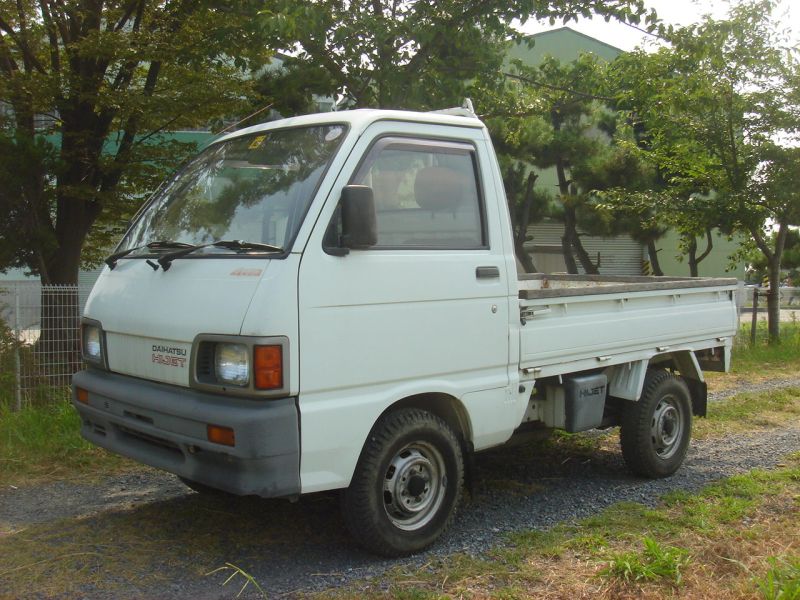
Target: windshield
(254,188)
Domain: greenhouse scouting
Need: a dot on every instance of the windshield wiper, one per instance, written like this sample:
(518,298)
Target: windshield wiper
(111,261)
(242,246)
(239,245)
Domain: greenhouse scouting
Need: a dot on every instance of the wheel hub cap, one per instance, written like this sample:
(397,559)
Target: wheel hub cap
(666,427)
(414,486)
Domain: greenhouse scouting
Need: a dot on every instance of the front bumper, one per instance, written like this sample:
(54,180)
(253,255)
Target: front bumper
(166,427)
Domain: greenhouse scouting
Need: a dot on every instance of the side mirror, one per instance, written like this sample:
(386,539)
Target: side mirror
(359,224)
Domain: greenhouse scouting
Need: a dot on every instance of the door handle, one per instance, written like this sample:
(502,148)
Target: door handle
(487,272)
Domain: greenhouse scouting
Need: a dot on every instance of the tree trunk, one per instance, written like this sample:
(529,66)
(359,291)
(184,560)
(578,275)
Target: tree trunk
(773,256)
(566,248)
(58,347)
(774,300)
(691,253)
(521,231)
(574,240)
(571,241)
(569,214)
(694,259)
(589,267)
(652,252)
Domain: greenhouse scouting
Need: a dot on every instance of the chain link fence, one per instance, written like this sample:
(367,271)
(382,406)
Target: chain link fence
(39,341)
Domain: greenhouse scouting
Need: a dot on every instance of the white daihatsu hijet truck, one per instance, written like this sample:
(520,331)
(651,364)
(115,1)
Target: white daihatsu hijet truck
(332,302)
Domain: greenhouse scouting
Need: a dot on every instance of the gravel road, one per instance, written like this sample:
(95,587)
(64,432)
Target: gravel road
(305,547)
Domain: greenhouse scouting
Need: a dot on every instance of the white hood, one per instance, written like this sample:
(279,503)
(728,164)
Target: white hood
(151,317)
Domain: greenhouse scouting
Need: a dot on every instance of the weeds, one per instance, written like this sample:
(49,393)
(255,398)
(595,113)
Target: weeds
(763,357)
(709,544)
(782,580)
(238,571)
(44,442)
(657,562)
(749,412)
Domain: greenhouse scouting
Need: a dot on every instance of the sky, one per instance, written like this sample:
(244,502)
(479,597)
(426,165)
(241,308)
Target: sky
(676,12)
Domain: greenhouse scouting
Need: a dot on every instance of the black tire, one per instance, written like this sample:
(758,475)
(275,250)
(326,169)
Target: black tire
(656,430)
(407,484)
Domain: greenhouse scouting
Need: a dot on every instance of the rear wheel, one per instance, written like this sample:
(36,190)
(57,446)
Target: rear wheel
(407,484)
(656,430)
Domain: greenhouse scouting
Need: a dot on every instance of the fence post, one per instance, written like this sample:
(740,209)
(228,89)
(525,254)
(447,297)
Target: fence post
(17,363)
(755,317)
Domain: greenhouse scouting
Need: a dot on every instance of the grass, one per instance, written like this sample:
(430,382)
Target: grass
(782,579)
(749,412)
(655,563)
(141,551)
(235,572)
(762,361)
(741,533)
(43,442)
(738,538)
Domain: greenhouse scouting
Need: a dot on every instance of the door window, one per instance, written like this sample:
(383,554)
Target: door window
(427,194)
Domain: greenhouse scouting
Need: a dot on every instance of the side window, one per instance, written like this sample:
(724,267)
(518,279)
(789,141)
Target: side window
(426,194)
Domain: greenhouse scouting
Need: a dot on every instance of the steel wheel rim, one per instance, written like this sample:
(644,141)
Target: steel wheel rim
(666,426)
(414,486)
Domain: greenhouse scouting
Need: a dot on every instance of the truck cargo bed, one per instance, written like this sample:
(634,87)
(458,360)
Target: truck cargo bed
(580,322)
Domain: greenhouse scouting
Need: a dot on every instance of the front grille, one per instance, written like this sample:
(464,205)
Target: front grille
(150,439)
(205,362)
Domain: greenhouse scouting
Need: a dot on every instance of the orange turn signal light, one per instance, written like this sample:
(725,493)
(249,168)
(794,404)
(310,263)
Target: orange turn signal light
(82,395)
(221,435)
(268,367)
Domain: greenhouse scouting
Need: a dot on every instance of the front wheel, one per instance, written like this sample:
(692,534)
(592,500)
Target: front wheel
(407,484)
(656,430)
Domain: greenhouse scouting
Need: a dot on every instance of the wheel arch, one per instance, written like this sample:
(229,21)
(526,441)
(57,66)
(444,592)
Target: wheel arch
(626,381)
(685,362)
(444,406)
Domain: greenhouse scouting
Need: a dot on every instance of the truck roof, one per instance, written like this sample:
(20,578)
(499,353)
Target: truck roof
(360,119)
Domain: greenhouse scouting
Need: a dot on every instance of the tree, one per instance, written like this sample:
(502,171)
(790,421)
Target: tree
(720,111)
(757,262)
(89,85)
(86,87)
(419,54)
(555,116)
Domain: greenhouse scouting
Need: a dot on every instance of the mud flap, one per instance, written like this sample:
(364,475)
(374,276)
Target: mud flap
(699,394)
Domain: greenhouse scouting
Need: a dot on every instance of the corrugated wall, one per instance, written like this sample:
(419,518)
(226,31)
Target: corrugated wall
(619,255)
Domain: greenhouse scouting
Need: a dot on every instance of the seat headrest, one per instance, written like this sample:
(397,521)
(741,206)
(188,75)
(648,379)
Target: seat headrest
(439,188)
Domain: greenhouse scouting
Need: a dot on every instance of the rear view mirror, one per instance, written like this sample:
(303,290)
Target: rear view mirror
(359,224)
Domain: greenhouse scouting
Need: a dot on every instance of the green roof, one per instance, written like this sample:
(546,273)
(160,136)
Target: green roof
(563,43)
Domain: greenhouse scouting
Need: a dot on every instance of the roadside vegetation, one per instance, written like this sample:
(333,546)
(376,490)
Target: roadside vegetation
(738,538)
(763,359)
(42,443)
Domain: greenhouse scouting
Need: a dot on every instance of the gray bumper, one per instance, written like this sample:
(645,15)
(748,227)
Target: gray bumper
(166,427)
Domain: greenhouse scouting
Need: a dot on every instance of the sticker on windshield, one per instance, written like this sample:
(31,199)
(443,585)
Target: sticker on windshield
(256,143)
(333,134)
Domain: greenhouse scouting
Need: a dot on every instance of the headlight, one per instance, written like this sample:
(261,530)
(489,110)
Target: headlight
(239,365)
(231,364)
(92,343)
